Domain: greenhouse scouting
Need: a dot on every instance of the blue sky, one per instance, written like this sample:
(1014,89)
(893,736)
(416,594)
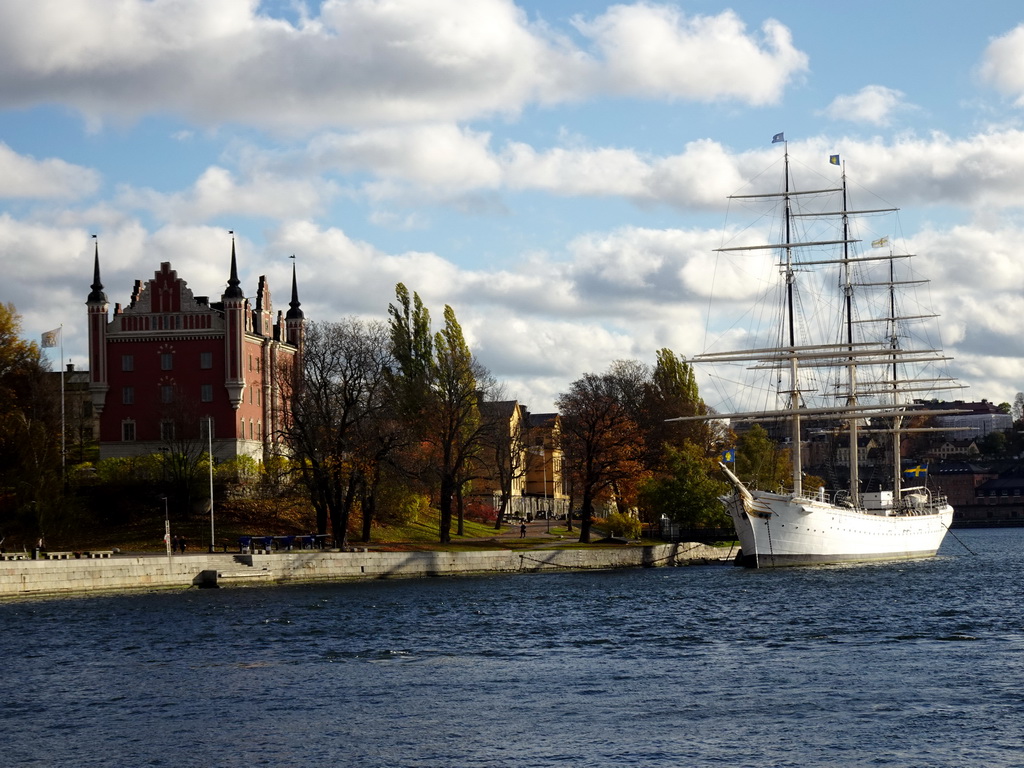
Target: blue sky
(555,171)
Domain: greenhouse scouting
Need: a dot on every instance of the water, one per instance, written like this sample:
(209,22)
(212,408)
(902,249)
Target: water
(910,664)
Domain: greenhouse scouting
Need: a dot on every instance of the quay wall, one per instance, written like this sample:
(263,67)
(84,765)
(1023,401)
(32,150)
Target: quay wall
(22,578)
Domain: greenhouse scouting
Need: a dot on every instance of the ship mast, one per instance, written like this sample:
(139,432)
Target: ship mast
(794,394)
(851,397)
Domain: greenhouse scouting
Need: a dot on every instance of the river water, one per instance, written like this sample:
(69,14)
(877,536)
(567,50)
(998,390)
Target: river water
(909,664)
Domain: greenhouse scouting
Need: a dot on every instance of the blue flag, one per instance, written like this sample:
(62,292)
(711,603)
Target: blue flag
(834,159)
(777,138)
(729,454)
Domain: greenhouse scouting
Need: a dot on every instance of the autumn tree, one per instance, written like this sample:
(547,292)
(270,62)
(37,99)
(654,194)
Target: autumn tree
(601,441)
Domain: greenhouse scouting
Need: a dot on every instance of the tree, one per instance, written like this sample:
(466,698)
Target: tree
(183,449)
(760,462)
(505,453)
(457,427)
(31,487)
(438,386)
(602,443)
(338,393)
(688,491)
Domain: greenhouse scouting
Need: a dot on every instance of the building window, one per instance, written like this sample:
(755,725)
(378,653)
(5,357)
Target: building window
(206,393)
(166,361)
(128,395)
(166,393)
(127,362)
(128,431)
(250,362)
(259,430)
(204,428)
(167,430)
(206,360)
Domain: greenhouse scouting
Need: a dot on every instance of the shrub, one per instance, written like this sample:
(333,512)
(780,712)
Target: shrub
(626,526)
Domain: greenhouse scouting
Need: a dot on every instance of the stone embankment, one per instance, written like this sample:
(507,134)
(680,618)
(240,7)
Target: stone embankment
(21,578)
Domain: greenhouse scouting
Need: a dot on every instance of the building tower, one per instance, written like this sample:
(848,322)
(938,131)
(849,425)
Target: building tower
(234,334)
(97,315)
(294,320)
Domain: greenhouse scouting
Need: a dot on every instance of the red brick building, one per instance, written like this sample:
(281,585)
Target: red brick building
(170,363)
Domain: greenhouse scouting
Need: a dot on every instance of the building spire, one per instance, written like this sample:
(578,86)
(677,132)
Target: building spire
(97,296)
(295,313)
(233,291)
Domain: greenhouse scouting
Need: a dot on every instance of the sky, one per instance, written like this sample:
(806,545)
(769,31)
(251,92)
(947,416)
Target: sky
(555,171)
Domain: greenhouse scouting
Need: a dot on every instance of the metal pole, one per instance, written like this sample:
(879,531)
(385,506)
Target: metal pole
(544,471)
(209,436)
(167,529)
(63,446)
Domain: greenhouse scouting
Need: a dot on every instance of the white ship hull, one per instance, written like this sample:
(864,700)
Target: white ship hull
(778,530)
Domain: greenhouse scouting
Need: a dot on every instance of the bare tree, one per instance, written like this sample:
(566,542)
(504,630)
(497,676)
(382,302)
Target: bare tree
(338,394)
(505,456)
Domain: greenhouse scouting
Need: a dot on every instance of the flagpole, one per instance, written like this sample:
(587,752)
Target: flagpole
(63,438)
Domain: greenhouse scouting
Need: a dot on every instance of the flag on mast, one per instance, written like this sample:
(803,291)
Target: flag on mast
(880,242)
(778,137)
(51,338)
(834,159)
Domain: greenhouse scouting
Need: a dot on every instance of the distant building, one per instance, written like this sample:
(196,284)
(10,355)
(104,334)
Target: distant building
(976,421)
(170,363)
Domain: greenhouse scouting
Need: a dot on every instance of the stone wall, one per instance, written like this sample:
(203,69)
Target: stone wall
(131,572)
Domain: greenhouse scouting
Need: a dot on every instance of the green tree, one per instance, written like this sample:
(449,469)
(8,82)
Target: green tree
(688,490)
(438,385)
(760,462)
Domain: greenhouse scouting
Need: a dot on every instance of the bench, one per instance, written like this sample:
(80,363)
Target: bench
(58,555)
(13,555)
(98,553)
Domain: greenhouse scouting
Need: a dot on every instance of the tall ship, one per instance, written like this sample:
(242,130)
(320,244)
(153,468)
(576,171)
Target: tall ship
(844,358)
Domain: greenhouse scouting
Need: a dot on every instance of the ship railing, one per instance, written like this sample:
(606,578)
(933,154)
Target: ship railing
(918,500)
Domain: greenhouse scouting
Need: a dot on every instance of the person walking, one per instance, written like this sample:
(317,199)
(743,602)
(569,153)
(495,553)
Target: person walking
(522,531)
(181,544)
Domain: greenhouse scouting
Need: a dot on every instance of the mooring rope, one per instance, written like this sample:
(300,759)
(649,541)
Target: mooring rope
(950,532)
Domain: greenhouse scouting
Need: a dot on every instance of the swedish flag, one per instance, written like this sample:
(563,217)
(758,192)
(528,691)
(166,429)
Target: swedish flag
(916,473)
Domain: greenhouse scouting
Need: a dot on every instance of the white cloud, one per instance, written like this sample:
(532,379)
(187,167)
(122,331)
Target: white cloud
(363,63)
(654,50)
(442,156)
(25,177)
(872,104)
(357,63)
(217,193)
(1002,64)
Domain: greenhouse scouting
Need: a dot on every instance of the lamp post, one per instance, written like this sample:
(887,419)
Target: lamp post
(209,437)
(167,528)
